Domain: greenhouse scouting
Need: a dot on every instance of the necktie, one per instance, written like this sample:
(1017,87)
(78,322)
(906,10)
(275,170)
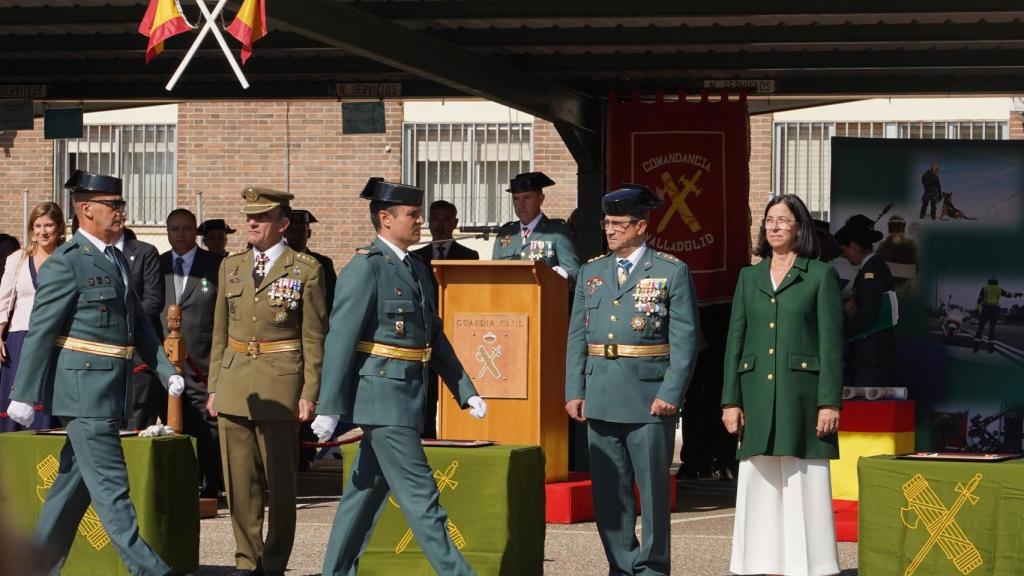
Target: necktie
(412,271)
(260,269)
(623,270)
(114,255)
(440,252)
(179,278)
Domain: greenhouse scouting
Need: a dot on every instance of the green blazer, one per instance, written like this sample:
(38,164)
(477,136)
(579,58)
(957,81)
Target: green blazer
(81,295)
(550,242)
(784,358)
(622,389)
(378,300)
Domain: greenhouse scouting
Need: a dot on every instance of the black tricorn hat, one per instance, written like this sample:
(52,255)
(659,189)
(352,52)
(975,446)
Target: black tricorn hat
(860,229)
(302,217)
(528,181)
(89,183)
(215,224)
(630,199)
(377,189)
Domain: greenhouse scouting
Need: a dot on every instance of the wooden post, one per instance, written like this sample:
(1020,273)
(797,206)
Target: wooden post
(174,347)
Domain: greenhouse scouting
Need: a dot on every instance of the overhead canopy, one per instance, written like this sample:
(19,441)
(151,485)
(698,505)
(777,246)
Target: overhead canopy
(553,59)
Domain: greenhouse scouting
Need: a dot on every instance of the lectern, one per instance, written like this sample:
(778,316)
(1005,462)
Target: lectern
(508,322)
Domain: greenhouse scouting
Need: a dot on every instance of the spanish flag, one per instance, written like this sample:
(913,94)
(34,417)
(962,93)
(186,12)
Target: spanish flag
(250,25)
(163,19)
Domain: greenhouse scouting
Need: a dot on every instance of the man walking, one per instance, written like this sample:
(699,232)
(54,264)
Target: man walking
(89,323)
(633,343)
(384,334)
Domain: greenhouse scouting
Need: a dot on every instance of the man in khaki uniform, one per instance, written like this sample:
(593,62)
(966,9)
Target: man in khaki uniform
(268,347)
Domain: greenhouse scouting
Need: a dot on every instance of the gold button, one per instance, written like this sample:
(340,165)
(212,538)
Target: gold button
(611,336)
(773,300)
(771,377)
(400,311)
(745,365)
(256,299)
(381,373)
(771,351)
(254,318)
(803,364)
(613,318)
(88,364)
(771,324)
(615,302)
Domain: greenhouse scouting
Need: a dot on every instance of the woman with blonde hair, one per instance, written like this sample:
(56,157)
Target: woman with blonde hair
(46,227)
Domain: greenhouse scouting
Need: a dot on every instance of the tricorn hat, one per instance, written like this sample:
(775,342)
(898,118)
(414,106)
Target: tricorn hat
(259,200)
(527,181)
(214,224)
(302,217)
(379,190)
(630,199)
(860,229)
(89,183)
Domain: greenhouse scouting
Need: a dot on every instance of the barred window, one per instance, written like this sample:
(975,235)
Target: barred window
(144,156)
(468,165)
(803,151)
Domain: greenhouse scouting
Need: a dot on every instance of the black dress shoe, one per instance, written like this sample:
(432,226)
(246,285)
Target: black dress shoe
(243,572)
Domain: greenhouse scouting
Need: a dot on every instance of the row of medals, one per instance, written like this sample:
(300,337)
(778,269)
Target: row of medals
(539,250)
(649,298)
(285,294)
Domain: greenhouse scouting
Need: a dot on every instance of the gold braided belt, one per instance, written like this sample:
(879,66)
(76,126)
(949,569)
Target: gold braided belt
(613,351)
(256,347)
(97,348)
(396,352)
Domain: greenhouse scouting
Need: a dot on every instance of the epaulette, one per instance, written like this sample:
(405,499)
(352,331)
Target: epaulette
(667,257)
(368,250)
(557,221)
(305,258)
(238,253)
(598,257)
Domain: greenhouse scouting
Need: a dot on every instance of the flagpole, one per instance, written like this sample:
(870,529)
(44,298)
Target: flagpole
(199,40)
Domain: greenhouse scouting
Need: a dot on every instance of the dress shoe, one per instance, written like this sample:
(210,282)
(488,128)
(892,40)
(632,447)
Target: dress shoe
(244,572)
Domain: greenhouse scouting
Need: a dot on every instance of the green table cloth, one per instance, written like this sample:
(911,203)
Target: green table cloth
(162,474)
(494,497)
(934,518)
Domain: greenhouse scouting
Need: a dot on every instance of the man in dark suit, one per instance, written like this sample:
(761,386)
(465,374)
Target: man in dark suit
(144,265)
(443,220)
(190,281)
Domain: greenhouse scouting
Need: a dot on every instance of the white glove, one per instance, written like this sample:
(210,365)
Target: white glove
(21,412)
(477,407)
(561,272)
(175,385)
(323,426)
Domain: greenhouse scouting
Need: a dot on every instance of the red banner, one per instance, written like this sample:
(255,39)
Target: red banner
(695,156)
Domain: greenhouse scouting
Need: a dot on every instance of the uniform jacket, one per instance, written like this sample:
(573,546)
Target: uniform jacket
(267,386)
(784,358)
(81,295)
(198,306)
(869,287)
(456,251)
(330,276)
(622,389)
(550,242)
(144,263)
(379,301)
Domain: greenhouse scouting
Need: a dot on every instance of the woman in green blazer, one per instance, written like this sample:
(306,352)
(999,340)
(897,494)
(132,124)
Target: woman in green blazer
(782,392)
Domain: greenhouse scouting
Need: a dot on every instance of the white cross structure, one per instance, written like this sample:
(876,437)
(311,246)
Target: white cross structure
(208,27)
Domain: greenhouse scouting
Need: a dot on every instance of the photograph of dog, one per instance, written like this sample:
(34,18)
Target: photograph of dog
(951,211)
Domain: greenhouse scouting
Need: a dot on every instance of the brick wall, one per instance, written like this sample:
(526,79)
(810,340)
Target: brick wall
(1016,125)
(760,169)
(551,157)
(26,163)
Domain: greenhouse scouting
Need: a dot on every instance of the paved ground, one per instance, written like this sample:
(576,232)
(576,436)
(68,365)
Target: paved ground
(702,535)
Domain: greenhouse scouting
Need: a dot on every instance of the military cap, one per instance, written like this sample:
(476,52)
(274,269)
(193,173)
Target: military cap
(528,181)
(302,217)
(860,229)
(630,199)
(379,190)
(259,200)
(215,224)
(82,182)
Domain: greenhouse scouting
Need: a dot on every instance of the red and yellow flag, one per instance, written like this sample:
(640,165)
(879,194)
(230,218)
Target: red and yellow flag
(250,25)
(163,19)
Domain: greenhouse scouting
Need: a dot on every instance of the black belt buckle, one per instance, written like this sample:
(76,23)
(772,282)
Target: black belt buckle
(611,351)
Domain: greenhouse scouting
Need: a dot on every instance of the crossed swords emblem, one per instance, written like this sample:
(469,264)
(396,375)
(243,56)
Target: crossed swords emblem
(678,198)
(924,504)
(444,480)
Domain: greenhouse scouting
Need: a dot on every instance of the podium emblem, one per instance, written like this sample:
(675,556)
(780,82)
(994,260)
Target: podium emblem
(90,527)
(924,504)
(493,348)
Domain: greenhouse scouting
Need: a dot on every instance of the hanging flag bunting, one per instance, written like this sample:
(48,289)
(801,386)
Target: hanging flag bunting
(250,25)
(163,19)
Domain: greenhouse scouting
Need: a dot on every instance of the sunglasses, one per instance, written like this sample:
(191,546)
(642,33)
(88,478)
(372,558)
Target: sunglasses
(115,205)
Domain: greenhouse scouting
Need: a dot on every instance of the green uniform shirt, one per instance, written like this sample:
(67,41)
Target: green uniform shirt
(549,242)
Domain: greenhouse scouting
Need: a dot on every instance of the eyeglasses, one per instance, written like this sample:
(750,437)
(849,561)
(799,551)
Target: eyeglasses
(115,205)
(781,223)
(617,226)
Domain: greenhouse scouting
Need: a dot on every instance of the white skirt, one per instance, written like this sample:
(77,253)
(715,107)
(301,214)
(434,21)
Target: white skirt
(784,522)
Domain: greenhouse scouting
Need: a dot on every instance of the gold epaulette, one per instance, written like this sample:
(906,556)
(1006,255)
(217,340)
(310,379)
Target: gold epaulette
(667,257)
(598,257)
(305,258)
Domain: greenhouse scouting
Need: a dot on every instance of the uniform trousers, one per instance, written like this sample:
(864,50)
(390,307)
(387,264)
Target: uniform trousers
(620,453)
(259,457)
(92,470)
(784,522)
(391,458)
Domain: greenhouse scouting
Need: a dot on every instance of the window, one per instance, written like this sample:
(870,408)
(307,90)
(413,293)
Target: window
(468,165)
(143,156)
(803,151)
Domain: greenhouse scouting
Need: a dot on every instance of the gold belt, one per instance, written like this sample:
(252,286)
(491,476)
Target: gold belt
(613,351)
(396,352)
(97,348)
(256,347)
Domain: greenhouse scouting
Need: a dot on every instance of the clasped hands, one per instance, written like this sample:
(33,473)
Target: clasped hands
(323,425)
(658,408)
(828,420)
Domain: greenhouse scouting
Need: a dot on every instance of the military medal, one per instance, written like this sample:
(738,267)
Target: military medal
(205,286)
(593,284)
(92,281)
(398,291)
(281,316)
(400,328)
(505,241)
(650,295)
(296,271)
(639,322)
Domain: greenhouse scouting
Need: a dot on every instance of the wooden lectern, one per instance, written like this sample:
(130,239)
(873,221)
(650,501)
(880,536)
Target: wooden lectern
(508,322)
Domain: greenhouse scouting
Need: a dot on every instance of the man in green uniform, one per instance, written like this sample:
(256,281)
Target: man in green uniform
(87,321)
(268,347)
(535,236)
(633,343)
(384,335)
(988,311)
